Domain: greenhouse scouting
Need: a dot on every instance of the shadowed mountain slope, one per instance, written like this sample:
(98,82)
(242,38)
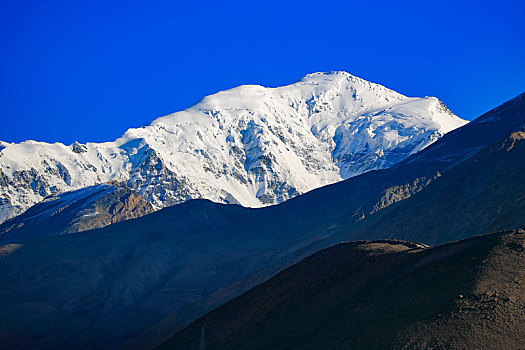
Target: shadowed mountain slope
(484,193)
(380,294)
(97,287)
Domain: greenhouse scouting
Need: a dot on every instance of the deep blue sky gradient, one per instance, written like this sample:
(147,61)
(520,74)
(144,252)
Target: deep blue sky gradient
(88,70)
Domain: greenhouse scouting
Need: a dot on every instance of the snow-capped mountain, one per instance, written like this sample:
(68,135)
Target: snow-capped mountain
(250,145)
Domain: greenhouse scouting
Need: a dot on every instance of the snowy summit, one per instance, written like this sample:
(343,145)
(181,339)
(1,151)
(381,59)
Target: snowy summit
(250,145)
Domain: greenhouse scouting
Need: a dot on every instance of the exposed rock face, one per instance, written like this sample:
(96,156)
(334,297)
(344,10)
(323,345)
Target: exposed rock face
(249,145)
(78,148)
(69,212)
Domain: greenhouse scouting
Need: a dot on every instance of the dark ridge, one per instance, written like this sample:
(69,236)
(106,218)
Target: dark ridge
(375,295)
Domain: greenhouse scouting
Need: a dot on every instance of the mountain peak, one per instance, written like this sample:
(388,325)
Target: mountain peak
(330,74)
(345,79)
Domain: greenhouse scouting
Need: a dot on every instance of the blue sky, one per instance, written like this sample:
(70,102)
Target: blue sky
(88,70)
